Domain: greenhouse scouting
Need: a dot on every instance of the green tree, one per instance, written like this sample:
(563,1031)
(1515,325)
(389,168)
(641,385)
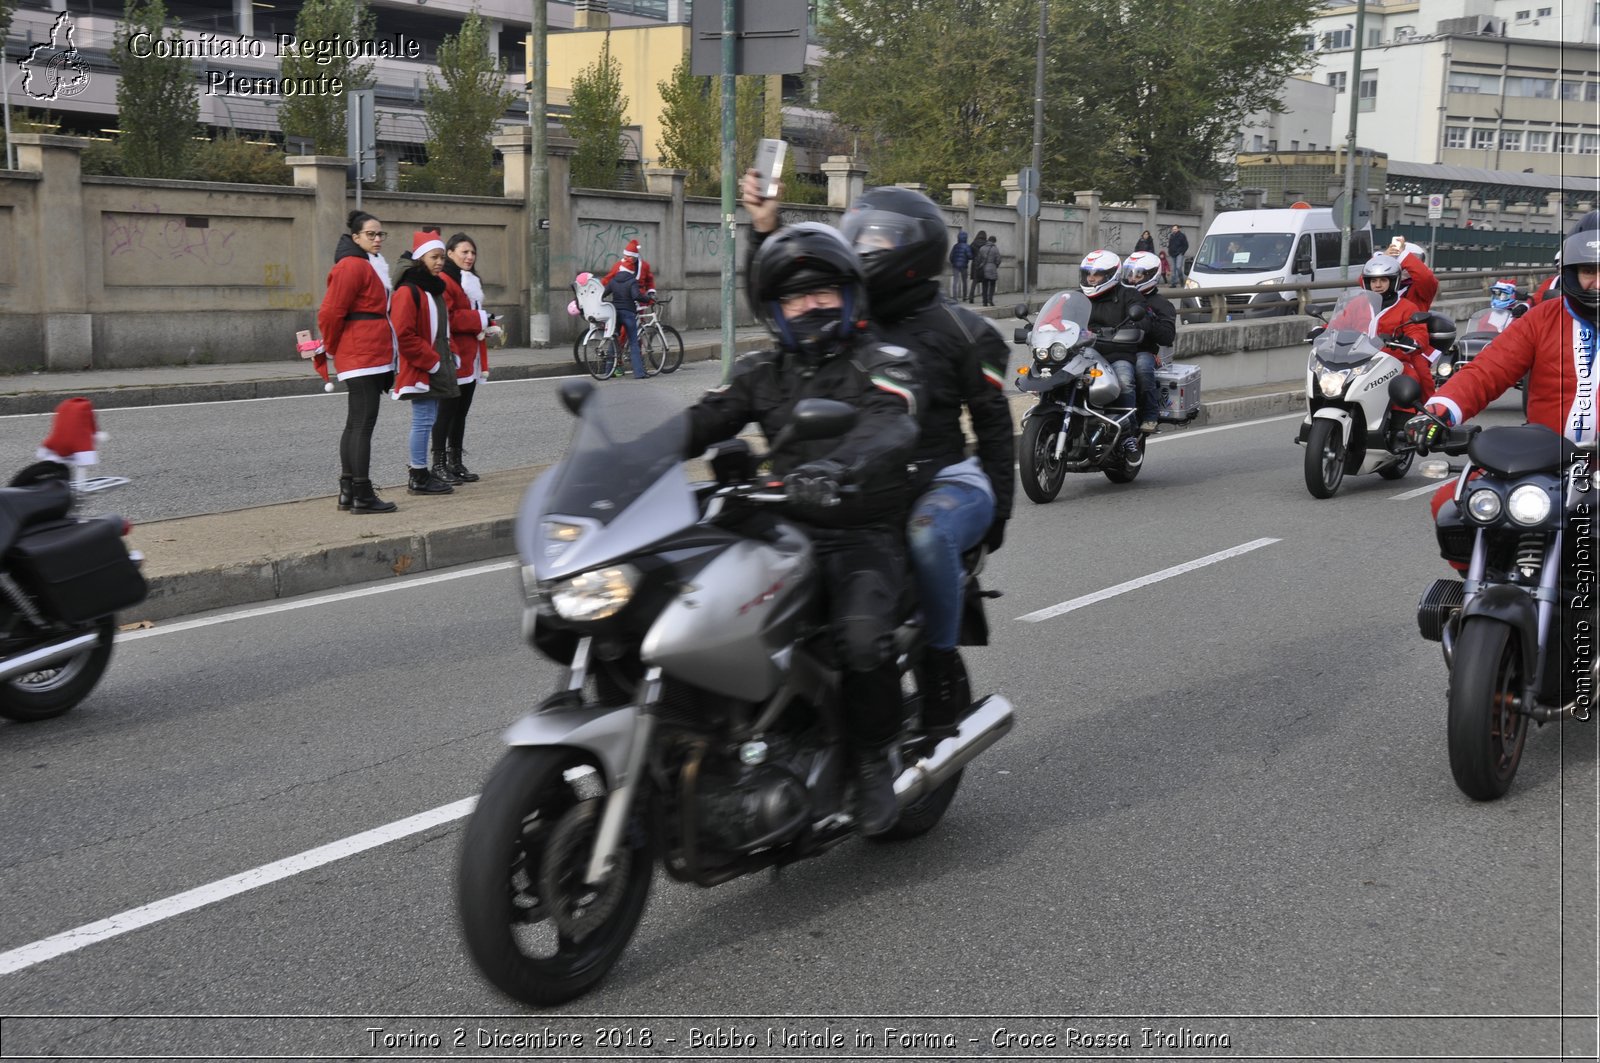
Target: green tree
(461,108)
(234,160)
(320,117)
(690,129)
(158,102)
(595,120)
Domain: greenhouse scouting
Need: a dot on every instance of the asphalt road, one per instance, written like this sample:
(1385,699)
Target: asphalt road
(1226,807)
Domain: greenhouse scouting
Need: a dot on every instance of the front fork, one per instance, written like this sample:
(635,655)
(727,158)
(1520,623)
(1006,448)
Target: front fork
(624,788)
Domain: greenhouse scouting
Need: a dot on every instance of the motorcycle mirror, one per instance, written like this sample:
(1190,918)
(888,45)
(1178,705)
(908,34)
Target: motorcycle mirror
(1137,312)
(1404,391)
(822,418)
(1021,310)
(1518,309)
(574,393)
(1314,333)
(1020,335)
(1420,317)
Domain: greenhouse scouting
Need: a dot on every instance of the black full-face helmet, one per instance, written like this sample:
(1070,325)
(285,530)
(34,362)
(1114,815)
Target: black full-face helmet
(901,237)
(804,258)
(1582,248)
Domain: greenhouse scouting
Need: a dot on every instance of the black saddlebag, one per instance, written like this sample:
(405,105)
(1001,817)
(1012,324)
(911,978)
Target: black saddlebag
(75,570)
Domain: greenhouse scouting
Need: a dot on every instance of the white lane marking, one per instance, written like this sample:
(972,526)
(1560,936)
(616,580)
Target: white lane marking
(1143,581)
(1190,433)
(307,603)
(1419,491)
(145,915)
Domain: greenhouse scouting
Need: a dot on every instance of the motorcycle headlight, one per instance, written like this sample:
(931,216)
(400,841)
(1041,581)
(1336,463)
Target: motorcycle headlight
(1484,505)
(1445,367)
(1058,352)
(1332,382)
(1529,505)
(594,595)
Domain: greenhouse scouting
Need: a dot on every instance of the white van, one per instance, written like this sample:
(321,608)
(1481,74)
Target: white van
(1294,245)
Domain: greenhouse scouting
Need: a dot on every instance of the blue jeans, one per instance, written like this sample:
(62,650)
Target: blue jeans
(948,519)
(629,320)
(423,413)
(1144,368)
(1127,377)
(1177,269)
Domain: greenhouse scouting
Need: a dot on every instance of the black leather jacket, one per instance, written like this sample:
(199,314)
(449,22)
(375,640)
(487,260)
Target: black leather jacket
(1110,310)
(879,379)
(1161,327)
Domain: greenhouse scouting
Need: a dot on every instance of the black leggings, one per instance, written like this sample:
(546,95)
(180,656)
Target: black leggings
(451,426)
(355,445)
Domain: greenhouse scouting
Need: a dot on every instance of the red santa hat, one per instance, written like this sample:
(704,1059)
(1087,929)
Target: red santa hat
(423,242)
(314,350)
(73,435)
(632,250)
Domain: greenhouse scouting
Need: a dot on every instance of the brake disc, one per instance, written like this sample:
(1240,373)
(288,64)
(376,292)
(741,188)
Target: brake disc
(578,910)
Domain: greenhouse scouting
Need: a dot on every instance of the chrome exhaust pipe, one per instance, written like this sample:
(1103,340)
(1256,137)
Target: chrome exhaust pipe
(45,656)
(978,730)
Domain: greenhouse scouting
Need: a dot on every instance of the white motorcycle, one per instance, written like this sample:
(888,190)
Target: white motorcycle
(1351,426)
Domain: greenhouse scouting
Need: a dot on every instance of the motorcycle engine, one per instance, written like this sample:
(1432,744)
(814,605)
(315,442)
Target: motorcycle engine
(751,806)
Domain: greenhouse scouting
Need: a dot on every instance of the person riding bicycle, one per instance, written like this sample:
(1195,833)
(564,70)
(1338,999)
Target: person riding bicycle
(624,291)
(806,286)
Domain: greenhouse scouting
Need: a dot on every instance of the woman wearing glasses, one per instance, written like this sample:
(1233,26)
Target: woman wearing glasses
(354,322)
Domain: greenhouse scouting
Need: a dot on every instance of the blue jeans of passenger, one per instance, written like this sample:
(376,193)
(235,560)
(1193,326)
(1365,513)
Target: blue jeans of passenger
(1144,368)
(1127,376)
(628,319)
(424,412)
(948,519)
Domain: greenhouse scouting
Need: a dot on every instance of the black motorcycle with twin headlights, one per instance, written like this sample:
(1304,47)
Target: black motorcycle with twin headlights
(1076,424)
(1518,629)
(698,722)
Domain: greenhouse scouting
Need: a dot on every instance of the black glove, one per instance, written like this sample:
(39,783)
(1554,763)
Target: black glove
(1422,431)
(996,536)
(816,483)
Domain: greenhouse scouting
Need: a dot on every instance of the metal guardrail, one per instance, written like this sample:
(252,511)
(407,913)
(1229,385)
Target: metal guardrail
(1217,298)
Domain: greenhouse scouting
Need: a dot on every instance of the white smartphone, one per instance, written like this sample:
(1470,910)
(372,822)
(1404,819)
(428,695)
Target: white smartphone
(769,165)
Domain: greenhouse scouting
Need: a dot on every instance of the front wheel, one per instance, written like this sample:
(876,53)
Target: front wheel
(577,350)
(1042,472)
(674,356)
(1324,458)
(1486,732)
(532,927)
(55,690)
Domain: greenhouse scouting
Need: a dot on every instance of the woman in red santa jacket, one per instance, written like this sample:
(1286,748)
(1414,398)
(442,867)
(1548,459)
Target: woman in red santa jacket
(463,299)
(1381,276)
(1417,282)
(427,373)
(354,322)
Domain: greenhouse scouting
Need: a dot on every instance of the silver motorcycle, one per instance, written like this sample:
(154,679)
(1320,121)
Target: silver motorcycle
(698,722)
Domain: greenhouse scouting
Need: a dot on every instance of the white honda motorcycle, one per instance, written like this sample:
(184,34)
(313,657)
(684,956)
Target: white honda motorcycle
(1351,426)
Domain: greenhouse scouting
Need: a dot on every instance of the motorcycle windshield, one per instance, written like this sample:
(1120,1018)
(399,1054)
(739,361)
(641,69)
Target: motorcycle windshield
(1352,328)
(628,438)
(1483,321)
(1063,319)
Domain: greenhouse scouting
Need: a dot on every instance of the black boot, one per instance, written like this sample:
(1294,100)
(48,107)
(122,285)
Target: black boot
(423,482)
(441,470)
(946,694)
(872,711)
(346,492)
(453,463)
(363,499)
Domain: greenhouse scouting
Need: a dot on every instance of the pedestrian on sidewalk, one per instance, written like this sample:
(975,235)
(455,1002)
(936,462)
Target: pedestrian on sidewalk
(988,263)
(975,270)
(1177,248)
(427,371)
(354,322)
(960,258)
(469,326)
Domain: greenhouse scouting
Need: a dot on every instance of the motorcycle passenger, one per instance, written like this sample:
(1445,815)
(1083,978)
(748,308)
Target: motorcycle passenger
(1100,278)
(805,285)
(1503,303)
(1417,282)
(901,237)
(1381,275)
(1142,273)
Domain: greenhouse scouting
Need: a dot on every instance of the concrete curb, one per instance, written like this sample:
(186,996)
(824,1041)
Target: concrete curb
(381,558)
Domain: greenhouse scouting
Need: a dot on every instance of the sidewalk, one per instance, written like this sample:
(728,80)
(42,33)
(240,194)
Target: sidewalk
(224,560)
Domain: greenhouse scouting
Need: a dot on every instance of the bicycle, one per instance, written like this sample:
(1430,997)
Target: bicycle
(661,345)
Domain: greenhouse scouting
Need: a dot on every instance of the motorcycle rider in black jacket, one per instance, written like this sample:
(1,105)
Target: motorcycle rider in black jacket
(1100,278)
(962,501)
(805,284)
(1142,273)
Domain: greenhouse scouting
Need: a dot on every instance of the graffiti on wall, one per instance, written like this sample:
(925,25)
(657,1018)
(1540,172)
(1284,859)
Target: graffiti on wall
(599,244)
(151,237)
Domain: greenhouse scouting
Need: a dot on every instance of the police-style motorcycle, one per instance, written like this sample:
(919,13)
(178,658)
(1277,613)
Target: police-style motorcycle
(1077,423)
(1351,426)
(1517,630)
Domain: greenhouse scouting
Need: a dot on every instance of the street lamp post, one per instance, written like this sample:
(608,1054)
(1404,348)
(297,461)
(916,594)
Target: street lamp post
(1348,207)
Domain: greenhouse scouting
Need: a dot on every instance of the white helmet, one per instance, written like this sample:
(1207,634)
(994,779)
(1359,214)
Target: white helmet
(1141,272)
(1103,263)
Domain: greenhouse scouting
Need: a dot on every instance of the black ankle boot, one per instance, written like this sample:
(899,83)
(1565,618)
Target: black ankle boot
(453,463)
(363,499)
(441,470)
(423,482)
(872,712)
(946,694)
(346,492)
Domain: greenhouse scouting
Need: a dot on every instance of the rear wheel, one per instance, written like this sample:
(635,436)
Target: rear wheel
(55,690)
(1486,732)
(600,356)
(1042,472)
(1324,458)
(921,816)
(532,926)
(577,350)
